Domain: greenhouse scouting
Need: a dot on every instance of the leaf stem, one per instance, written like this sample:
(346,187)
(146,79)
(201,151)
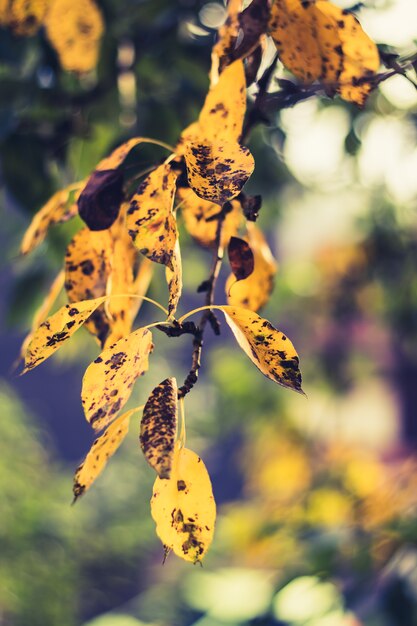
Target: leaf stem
(133,295)
(207,307)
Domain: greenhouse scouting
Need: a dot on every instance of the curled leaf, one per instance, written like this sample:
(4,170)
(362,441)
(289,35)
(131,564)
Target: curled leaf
(108,381)
(241,258)
(57,329)
(268,348)
(99,202)
(183,507)
(159,426)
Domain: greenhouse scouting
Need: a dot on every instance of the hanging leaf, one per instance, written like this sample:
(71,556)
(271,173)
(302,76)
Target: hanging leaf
(108,381)
(158,427)
(174,280)
(241,258)
(335,50)
(74,28)
(57,329)
(150,220)
(218,171)
(102,449)
(100,200)
(271,351)
(253,22)
(227,36)
(60,208)
(24,17)
(254,292)
(183,507)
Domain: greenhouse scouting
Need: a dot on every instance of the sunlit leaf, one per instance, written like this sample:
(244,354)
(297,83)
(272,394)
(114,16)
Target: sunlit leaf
(150,219)
(254,292)
(241,258)
(217,171)
(24,17)
(227,36)
(57,329)
(174,280)
(102,449)
(334,49)
(74,28)
(108,381)
(158,427)
(268,348)
(60,208)
(183,507)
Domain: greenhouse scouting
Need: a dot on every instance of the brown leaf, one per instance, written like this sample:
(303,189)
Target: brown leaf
(241,258)
(100,200)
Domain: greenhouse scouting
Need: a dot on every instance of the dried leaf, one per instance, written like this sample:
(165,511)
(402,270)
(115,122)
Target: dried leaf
(174,280)
(108,381)
(226,40)
(59,208)
(217,171)
(254,292)
(334,49)
(24,17)
(102,449)
(253,22)
(99,202)
(268,348)
(183,507)
(55,331)
(158,427)
(241,258)
(74,28)
(150,219)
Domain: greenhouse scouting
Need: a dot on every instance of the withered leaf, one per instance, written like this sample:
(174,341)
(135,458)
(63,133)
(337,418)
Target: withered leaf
(99,202)
(174,280)
(158,427)
(241,258)
(108,381)
(183,507)
(268,348)
(57,329)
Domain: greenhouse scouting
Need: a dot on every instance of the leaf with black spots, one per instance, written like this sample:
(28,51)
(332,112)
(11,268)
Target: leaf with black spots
(158,427)
(241,258)
(24,17)
(100,200)
(268,348)
(108,381)
(57,329)
(183,507)
(174,280)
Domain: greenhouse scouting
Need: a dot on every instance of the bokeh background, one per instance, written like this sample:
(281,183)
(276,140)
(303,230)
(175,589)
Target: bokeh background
(317,497)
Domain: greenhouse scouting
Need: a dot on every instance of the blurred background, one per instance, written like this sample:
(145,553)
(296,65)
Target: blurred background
(317,497)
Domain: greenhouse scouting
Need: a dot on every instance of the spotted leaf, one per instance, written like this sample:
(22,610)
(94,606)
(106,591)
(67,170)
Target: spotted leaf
(24,17)
(241,258)
(183,507)
(57,329)
(102,449)
(226,40)
(158,427)
(174,280)
(108,381)
(268,348)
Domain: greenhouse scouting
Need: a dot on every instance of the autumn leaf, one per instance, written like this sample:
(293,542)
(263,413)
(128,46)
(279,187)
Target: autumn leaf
(241,258)
(183,507)
(24,17)
(108,381)
(74,28)
(57,329)
(227,36)
(253,292)
(99,202)
(102,449)
(335,50)
(174,280)
(158,427)
(268,348)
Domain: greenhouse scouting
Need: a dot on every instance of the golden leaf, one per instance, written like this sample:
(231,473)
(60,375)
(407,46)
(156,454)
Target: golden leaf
(102,449)
(57,329)
(268,348)
(183,507)
(150,219)
(320,41)
(174,280)
(226,40)
(24,17)
(60,208)
(217,171)
(74,28)
(158,427)
(254,292)
(108,381)
(197,213)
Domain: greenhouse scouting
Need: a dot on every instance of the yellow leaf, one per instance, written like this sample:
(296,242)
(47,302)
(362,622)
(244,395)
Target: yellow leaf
(150,219)
(197,211)
(108,381)
(253,292)
(226,40)
(268,348)
(102,449)
(120,153)
(174,280)
(55,330)
(217,171)
(74,28)
(24,17)
(158,427)
(60,208)
(334,49)
(183,507)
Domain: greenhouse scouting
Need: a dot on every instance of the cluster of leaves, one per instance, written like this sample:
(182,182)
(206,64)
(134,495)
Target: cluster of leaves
(108,263)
